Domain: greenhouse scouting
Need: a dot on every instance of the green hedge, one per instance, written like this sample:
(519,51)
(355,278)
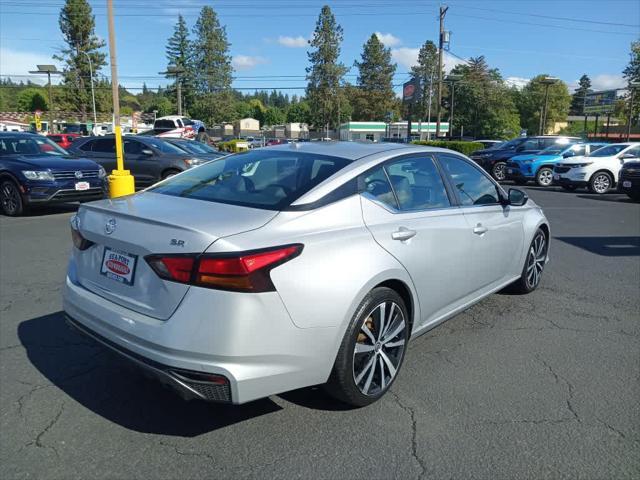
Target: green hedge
(232,146)
(465,148)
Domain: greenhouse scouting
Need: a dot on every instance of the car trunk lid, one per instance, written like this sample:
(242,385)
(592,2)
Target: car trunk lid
(126,230)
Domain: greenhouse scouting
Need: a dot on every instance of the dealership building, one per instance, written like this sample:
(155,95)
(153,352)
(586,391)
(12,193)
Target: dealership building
(376,131)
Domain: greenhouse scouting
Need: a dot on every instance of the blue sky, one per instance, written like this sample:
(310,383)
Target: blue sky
(563,38)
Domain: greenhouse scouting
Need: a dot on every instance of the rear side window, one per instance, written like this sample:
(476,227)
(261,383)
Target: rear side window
(259,179)
(104,145)
(417,184)
(376,184)
(472,186)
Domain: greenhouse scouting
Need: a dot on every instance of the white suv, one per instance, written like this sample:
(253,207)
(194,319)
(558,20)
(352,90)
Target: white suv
(598,171)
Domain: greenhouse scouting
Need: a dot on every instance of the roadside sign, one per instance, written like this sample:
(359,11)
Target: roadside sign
(600,102)
(411,90)
(38,119)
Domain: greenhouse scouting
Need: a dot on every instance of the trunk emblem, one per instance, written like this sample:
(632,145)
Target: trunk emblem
(110,226)
(78,174)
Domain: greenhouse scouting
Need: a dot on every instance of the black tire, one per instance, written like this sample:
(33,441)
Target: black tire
(600,182)
(569,188)
(170,173)
(11,198)
(544,177)
(202,137)
(527,282)
(499,171)
(343,383)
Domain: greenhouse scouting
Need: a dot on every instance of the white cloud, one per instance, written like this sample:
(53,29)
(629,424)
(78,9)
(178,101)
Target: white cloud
(518,82)
(246,62)
(293,42)
(607,82)
(17,63)
(408,57)
(388,39)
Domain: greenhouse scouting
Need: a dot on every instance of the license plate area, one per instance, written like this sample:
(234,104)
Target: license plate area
(82,186)
(118,265)
(626,184)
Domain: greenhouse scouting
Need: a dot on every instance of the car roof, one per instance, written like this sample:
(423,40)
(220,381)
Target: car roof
(347,150)
(20,134)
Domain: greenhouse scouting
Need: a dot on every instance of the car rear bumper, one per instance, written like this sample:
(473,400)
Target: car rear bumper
(249,339)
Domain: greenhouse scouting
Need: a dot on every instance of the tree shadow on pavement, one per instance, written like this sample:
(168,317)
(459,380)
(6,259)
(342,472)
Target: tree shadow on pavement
(606,246)
(107,385)
(44,210)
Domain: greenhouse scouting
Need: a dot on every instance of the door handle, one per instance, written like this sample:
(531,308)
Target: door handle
(479,229)
(403,234)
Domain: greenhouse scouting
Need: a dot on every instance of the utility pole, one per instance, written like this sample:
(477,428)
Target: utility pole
(443,12)
(547,82)
(120,181)
(429,106)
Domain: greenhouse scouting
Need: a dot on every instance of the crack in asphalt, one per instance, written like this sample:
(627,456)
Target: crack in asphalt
(38,440)
(570,390)
(414,432)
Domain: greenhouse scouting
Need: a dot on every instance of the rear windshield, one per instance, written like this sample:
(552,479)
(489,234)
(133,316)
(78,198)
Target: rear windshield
(259,179)
(193,146)
(168,124)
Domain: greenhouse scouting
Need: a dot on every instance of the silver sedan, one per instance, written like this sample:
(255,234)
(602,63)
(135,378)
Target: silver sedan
(297,265)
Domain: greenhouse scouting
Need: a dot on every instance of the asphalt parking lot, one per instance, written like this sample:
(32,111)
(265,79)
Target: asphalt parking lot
(539,386)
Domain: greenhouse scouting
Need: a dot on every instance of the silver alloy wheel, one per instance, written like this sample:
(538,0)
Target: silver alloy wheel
(601,183)
(379,348)
(545,177)
(499,171)
(10,198)
(536,260)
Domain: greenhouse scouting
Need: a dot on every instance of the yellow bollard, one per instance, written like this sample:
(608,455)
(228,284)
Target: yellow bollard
(121,182)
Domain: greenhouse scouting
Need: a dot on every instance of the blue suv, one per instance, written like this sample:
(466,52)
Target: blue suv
(34,170)
(539,167)
(494,160)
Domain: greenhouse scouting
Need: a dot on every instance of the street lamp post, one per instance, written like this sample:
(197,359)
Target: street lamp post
(547,82)
(93,93)
(48,70)
(175,71)
(632,87)
(452,79)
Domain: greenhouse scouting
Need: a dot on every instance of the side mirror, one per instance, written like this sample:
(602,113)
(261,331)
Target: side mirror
(517,197)
(568,154)
(627,156)
(147,151)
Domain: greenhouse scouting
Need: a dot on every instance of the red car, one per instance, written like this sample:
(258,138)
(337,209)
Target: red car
(64,139)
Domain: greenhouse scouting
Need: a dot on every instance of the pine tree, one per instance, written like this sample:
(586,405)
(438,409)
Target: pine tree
(577,99)
(631,72)
(375,81)
(325,72)
(426,71)
(178,53)
(77,24)
(211,60)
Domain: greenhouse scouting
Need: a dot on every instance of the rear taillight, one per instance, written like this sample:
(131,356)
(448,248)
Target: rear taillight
(79,241)
(242,271)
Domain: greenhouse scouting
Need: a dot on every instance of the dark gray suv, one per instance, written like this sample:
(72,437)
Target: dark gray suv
(150,159)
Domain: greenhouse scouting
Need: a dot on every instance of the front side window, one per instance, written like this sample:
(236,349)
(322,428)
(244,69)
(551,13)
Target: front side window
(635,151)
(417,184)
(472,186)
(258,179)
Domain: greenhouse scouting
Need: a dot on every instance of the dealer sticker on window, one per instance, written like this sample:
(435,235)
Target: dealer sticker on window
(119,266)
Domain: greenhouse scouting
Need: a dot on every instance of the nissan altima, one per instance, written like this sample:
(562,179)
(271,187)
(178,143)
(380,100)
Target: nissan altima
(297,265)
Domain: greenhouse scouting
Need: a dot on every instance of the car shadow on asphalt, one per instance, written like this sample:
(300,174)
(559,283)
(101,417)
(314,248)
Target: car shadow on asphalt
(110,387)
(611,197)
(606,246)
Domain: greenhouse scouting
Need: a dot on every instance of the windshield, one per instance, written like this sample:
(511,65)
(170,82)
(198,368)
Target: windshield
(165,147)
(609,150)
(29,146)
(508,145)
(556,150)
(260,179)
(193,146)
